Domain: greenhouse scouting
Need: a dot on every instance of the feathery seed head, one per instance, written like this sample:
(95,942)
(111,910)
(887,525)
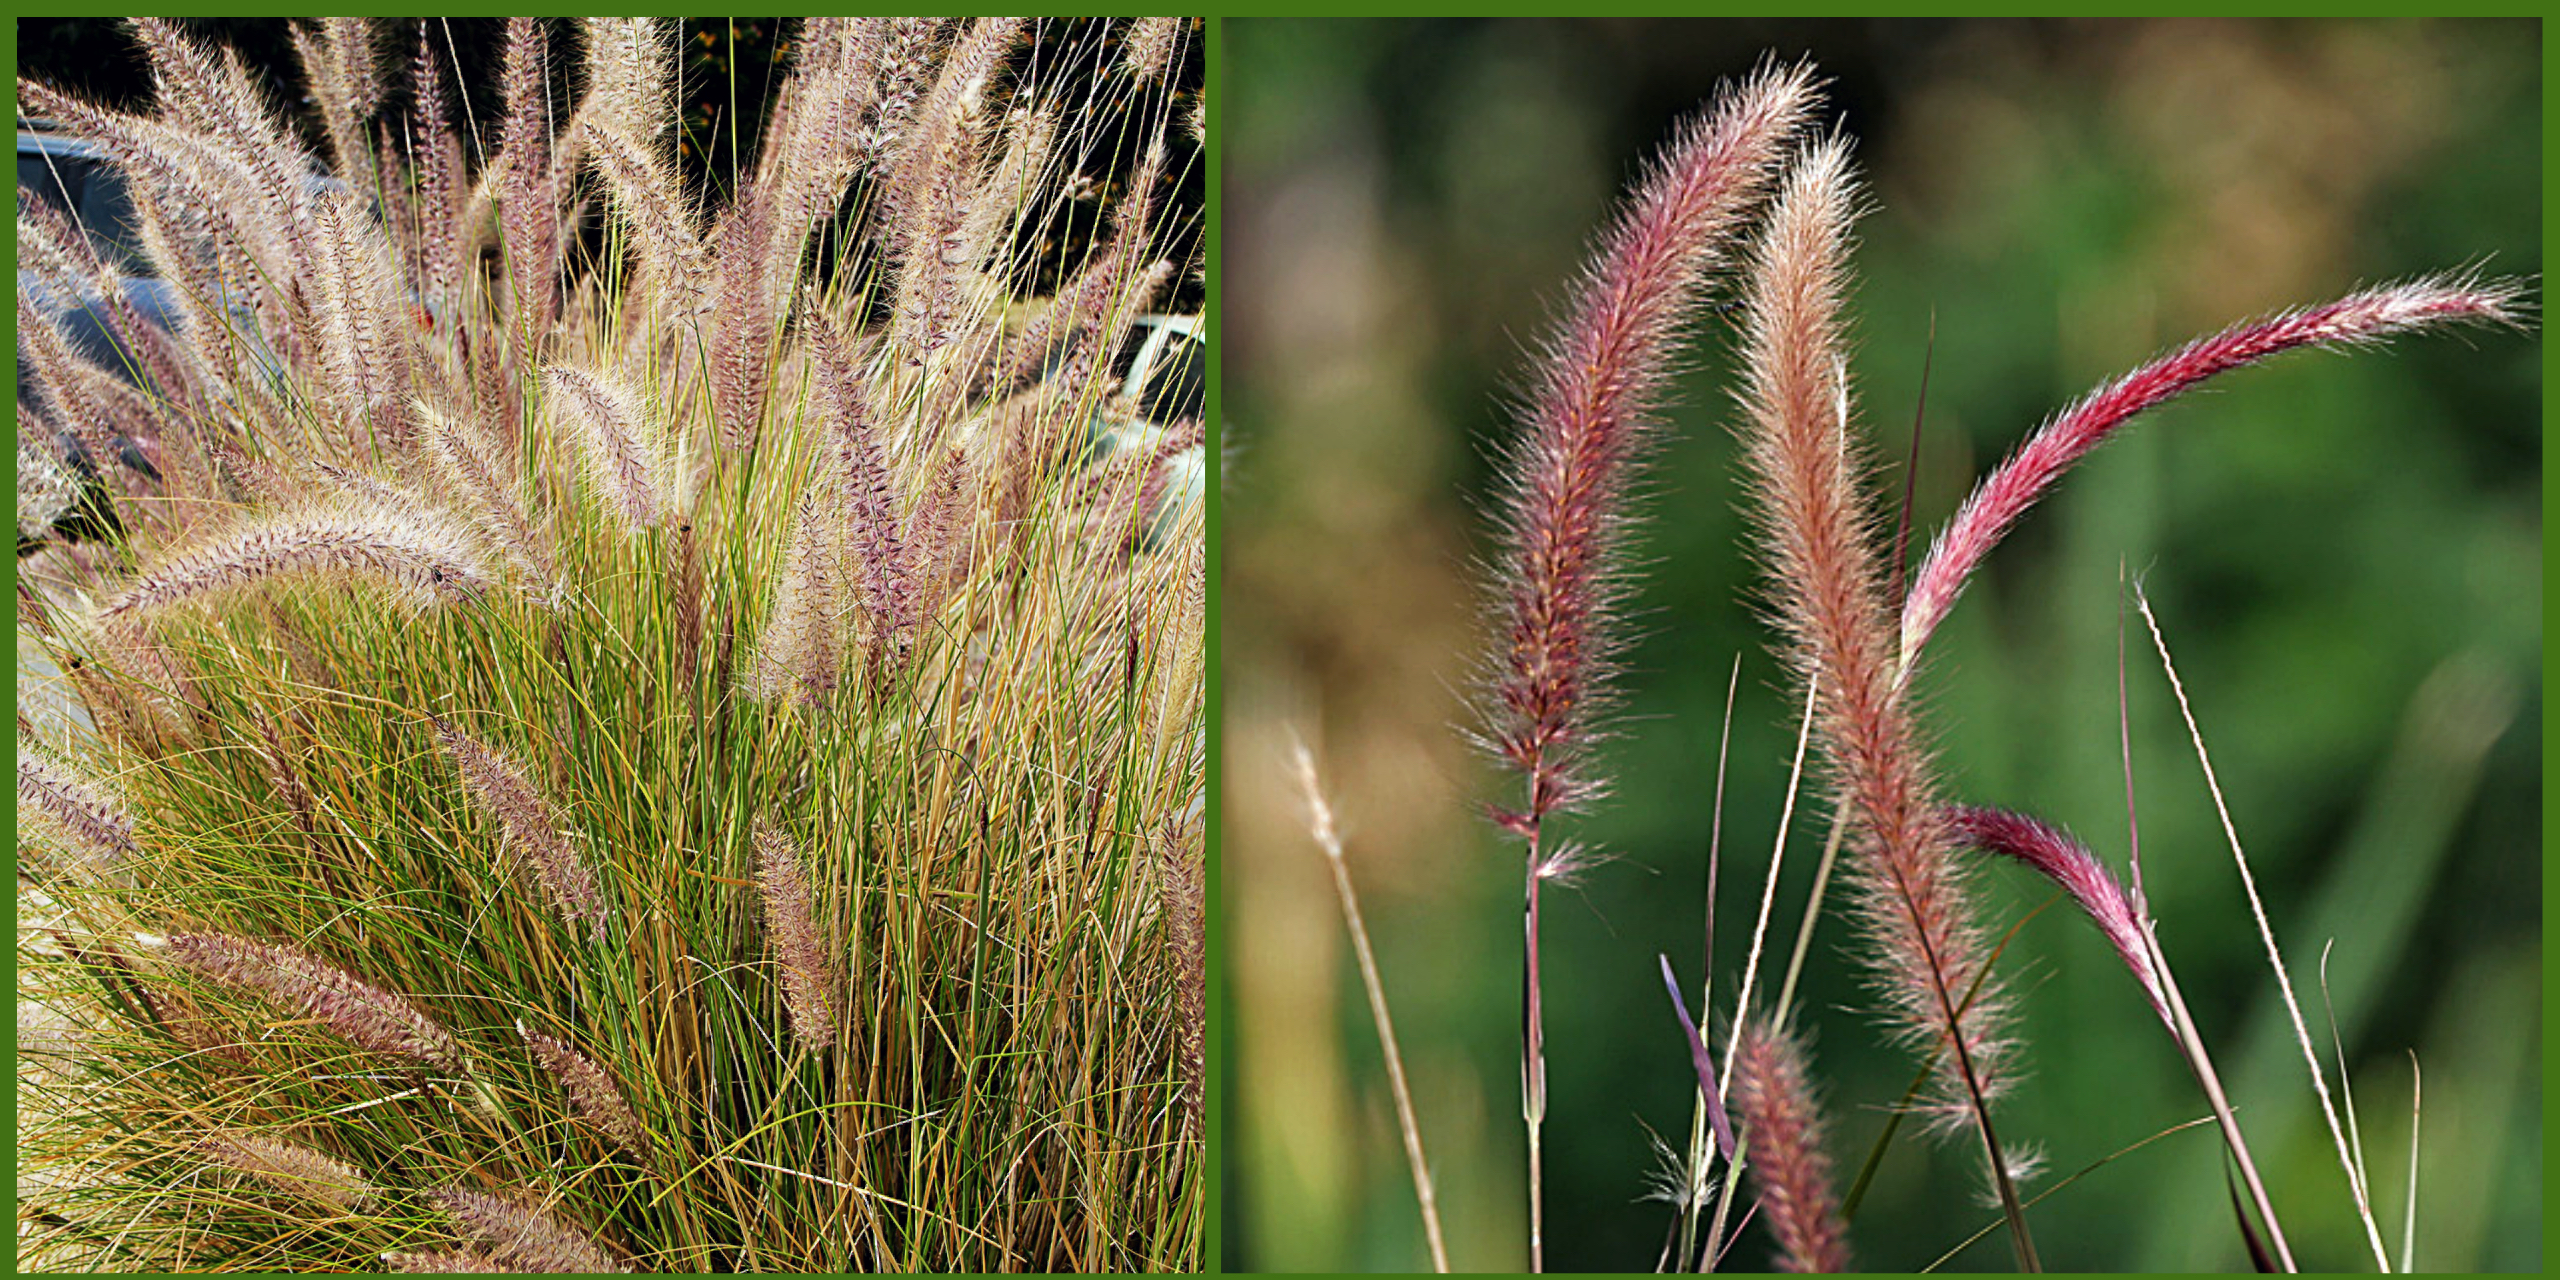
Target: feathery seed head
(809,985)
(532,826)
(612,439)
(82,812)
(418,557)
(1816,528)
(296,1170)
(800,654)
(1790,1170)
(445,1262)
(880,554)
(475,475)
(365,1015)
(524,1237)
(2359,319)
(2059,857)
(1564,512)
(1186,940)
(598,1099)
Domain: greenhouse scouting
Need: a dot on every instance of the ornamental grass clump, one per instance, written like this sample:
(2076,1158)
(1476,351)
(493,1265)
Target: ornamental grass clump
(620,730)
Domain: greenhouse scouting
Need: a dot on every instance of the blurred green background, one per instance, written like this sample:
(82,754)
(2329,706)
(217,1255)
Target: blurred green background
(2345,552)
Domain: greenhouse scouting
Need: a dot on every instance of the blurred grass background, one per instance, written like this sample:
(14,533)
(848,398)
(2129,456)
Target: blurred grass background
(2345,552)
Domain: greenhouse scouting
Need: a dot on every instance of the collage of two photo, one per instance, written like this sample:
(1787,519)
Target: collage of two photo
(1270,644)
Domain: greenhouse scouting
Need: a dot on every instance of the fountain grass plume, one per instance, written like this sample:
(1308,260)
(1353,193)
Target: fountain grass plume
(293,1169)
(1927,951)
(525,1237)
(2053,853)
(1564,507)
(1589,424)
(364,1015)
(808,964)
(498,785)
(590,1088)
(2363,318)
(420,559)
(1790,1168)
(1926,945)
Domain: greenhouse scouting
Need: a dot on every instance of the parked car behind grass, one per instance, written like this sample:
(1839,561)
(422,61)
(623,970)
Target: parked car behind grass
(72,178)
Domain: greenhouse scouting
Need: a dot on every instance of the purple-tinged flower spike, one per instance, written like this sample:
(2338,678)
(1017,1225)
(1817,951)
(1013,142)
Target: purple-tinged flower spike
(2062,859)
(2354,320)
(524,1236)
(1563,514)
(89,817)
(591,1089)
(362,1014)
(1790,1170)
(293,1169)
(445,1262)
(2126,921)
(1925,941)
(811,992)
(498,786)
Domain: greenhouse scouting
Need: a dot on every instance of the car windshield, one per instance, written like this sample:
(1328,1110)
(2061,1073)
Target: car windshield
(91,193)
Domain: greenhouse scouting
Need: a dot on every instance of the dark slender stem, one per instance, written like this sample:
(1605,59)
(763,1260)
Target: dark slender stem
(1533,1071)
(1911,464)
(2000,1181)
(2191,1046)
(1707,982)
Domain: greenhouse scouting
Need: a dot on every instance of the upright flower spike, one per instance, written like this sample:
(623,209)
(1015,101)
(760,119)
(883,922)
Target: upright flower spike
(1790,1170)
(1563,511)
(612,440)
(1928,950)
(809,986)
(1186,942)
(881,563)
(799,655)
(501,790)
(2358,319)
(528,189)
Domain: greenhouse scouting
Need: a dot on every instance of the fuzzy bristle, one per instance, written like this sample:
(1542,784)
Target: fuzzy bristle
(1926,945)
(1790,1169)
(612,433)
(598,1099)
(2359,319)
(295,1170)
(365,1015)
(86,815)
(524,1237)
(424,562)
(2061,858)
(809,985)
(1563,511)
(533,828)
